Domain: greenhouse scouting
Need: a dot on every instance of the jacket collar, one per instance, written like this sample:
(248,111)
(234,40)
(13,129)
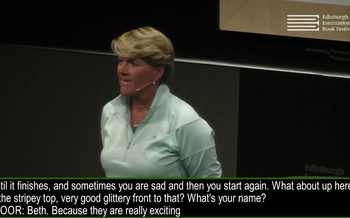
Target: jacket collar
(162,94)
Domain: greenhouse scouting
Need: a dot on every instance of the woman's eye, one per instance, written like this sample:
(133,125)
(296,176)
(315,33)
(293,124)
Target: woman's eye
(134,63)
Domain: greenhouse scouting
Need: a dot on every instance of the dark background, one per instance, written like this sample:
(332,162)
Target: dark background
(285,119)
(193,26)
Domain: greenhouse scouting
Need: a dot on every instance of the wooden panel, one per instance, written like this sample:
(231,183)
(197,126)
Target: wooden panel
(272,17)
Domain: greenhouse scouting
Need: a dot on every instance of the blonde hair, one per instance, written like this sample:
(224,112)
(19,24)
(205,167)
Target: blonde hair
(149,44)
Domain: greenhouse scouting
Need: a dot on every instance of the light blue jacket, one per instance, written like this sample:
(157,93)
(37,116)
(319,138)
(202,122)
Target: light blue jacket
(173,140)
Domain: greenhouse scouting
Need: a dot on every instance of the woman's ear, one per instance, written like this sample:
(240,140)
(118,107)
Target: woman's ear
(159,72)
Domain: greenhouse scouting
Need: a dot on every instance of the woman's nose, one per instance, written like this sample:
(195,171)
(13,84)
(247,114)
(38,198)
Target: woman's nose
(122,67)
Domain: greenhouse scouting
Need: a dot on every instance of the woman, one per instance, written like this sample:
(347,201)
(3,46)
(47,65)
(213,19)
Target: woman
(146,130)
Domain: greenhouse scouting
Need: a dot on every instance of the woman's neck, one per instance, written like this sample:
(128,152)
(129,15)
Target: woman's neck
(143,100)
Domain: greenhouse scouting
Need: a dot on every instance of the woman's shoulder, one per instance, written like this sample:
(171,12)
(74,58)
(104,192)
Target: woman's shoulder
(182,106)
(181,111)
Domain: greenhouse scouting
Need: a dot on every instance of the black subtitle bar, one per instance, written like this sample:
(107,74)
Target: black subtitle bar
(174,197)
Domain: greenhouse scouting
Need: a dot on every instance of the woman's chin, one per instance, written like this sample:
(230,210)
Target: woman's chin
(127,92)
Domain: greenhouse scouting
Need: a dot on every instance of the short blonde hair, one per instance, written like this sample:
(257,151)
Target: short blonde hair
(149,44)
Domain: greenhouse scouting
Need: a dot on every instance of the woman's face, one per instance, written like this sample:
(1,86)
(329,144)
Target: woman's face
(135,76)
